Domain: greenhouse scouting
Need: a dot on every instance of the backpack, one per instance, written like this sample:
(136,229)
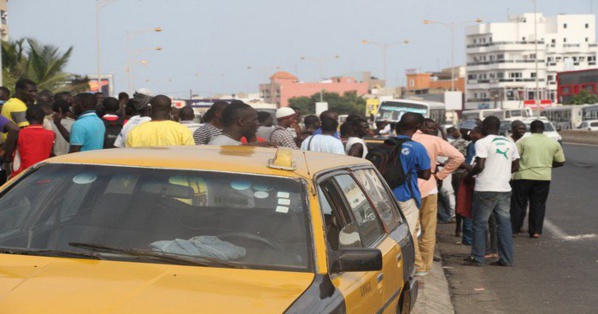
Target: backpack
(386,158)
(113,128)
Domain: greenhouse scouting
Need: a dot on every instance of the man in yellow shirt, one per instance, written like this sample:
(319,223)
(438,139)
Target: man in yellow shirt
(14,109)
(161,130)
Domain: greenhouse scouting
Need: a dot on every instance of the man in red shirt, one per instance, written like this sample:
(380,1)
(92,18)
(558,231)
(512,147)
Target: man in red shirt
(34,143)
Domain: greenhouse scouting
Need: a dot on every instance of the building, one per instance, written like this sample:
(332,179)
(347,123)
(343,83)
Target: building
(502,59)
(435,82)
(284,86)
(571,83)
(4,20)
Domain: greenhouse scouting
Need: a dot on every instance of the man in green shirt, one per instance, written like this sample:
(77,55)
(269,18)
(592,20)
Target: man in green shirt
(539,154)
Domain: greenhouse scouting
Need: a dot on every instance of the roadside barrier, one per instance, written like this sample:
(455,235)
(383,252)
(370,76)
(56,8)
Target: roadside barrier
(579,137)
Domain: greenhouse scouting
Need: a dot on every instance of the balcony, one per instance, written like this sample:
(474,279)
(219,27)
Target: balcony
(497,43)
(502,61)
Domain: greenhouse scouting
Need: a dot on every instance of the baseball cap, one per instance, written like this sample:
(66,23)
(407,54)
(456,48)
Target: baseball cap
(142,98)
(285,112)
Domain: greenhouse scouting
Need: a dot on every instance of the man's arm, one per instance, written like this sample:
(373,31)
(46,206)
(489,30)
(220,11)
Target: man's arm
(559,157)
(57,118)
(10,144)
(356,150)
(424,174)
(455,159)
(515,166)
(75,148)
(480,164)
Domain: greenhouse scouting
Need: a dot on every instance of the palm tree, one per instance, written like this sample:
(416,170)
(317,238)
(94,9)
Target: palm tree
(43,64)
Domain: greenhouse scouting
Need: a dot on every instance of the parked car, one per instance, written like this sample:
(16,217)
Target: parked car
(589,125)
(203,229)
(549,129)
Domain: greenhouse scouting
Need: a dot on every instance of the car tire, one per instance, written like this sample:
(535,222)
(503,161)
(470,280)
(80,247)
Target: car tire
(403,306)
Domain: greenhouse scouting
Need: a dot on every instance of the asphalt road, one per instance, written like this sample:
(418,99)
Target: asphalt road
(555,274)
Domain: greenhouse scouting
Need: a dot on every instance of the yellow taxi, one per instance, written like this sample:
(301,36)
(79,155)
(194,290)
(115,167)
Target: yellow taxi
(203,230)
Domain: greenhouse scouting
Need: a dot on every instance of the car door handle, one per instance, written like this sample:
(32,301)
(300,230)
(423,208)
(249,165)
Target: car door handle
(399,257)
(380,277)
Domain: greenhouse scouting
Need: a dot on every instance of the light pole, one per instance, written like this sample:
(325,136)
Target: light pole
(320,62)
(130,36)
(452,26)
(384,47)
(144,62)
(537,94)
(99,5)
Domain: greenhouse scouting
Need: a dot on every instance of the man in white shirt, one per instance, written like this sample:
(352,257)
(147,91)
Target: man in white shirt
(496,159)
(325,142)
(142,98)
(187,117)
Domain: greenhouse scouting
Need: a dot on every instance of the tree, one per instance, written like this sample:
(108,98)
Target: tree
(348,103)
(584,97)
(43,64)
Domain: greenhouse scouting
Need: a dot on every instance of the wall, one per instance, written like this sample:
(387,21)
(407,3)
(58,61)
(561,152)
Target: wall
(579,137)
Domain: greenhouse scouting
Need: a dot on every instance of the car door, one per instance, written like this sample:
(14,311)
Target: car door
(396,240)
(364,291)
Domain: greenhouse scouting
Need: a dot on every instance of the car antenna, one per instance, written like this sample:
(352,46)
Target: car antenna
(306,164)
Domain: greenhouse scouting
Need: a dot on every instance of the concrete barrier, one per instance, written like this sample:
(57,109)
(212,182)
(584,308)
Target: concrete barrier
(579,137)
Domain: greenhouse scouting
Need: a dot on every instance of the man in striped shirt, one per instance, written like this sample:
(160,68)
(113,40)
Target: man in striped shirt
(213,124)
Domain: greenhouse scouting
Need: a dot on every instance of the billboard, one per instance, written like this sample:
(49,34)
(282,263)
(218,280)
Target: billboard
(105,84)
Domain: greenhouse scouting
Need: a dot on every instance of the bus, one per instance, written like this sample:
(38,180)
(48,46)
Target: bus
(502,114)
(570,116)
(392,110)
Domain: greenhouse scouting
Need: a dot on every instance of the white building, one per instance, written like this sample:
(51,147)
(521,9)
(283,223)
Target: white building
(501,58)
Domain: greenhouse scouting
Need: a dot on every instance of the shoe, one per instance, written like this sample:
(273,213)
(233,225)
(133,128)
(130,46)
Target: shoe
(421,274)
(470,261)
(491,255)
(499,263)
(535,235)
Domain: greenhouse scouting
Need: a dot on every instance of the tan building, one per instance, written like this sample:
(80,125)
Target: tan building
(434,82)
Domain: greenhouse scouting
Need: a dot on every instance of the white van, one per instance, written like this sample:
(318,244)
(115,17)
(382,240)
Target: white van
(589,125)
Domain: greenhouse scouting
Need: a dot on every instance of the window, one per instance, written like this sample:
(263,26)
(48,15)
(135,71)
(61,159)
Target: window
(565,25)
(565,40)
(553,41)
(586,39)
(515,74)
(384,203)
(551,78)
(533,74)
(500,56)
(364,217)
(587,25)
(411,82)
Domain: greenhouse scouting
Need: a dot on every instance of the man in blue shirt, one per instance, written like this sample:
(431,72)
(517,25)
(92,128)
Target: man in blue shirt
(416,164)
(87,133)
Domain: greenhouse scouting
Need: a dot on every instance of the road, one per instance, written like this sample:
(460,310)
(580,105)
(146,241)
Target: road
(555,274)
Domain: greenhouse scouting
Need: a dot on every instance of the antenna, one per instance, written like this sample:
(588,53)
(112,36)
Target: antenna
(306,164)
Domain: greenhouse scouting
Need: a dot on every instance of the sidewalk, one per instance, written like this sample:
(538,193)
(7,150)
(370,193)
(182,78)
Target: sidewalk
(434,294)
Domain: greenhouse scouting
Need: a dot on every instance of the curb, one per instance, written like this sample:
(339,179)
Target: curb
(434,296)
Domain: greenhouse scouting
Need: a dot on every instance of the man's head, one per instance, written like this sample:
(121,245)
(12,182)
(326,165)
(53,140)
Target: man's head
(84,102)
(4,93)
(361,127)
(265,118)
(297,111)
(429,127)
(476,133)
(111,105)
(123,97)
(409,124)
(240,118)
(26,90)
(537,126)
(35,115)
(286,116)
(99,97)
(352,117)
(312,122)
(329,125)
(142,99)
(518,129)
(45,97)
(346,130)
(66,96)
(161,107)
(454,132)
(328,114)
(186,113)
(130,109)
(490,125)
(215,112)
(61,106)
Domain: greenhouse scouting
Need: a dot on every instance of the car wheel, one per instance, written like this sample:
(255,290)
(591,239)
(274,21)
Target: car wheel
(403,307)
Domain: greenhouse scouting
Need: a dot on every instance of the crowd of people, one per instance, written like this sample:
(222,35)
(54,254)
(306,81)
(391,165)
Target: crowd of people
(480,180)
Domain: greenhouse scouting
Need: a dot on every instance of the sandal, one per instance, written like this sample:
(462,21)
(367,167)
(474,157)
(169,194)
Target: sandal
(491,255)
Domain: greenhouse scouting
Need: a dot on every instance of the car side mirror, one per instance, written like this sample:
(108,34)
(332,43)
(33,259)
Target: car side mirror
(353,260)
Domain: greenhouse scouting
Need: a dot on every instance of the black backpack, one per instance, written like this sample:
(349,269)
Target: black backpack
(386,158)
(113,128)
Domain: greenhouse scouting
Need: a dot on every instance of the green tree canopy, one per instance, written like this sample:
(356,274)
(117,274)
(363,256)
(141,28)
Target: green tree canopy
(584,97)
(348,103)
(43,64)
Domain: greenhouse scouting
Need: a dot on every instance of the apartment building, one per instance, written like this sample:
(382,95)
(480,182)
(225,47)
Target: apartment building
(502,59)
(3,20)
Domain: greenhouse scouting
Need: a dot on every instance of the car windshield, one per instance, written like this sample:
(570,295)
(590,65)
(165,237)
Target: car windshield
(141,214)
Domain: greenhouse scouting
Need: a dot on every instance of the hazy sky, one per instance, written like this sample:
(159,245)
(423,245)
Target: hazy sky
(207,45)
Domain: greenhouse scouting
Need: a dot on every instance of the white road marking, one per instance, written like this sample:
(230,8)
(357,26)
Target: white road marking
(562,235)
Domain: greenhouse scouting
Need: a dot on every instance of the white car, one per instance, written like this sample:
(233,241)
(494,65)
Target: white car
(549,129)
(589,125)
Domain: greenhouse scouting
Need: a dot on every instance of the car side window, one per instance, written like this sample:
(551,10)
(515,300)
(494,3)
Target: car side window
(363,214)
(384,203)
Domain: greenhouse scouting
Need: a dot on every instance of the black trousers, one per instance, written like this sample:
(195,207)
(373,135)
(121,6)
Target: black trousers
(536,193)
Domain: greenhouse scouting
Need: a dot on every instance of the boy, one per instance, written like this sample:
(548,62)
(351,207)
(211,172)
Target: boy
(34,143)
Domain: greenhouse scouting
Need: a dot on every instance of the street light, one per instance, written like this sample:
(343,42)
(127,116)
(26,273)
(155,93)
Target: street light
(144,62)
(384,47)
(320,61)
(99,5)
(130,36)
(452,27)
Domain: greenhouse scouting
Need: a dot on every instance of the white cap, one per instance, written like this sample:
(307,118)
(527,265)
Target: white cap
(145,91)
(284,112)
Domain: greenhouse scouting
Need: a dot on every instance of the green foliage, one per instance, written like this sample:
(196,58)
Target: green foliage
(348,103)
(43,64)
(583,97)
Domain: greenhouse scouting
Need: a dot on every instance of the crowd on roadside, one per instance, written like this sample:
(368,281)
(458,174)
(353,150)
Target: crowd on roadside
(481,180)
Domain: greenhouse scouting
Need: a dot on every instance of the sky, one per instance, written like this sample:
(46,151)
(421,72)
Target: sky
(207,46)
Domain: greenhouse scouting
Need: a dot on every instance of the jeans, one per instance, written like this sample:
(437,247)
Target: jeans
(467,224)
(491,235)
(484,204)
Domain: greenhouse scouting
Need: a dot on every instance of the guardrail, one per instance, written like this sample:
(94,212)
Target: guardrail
(579,137)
